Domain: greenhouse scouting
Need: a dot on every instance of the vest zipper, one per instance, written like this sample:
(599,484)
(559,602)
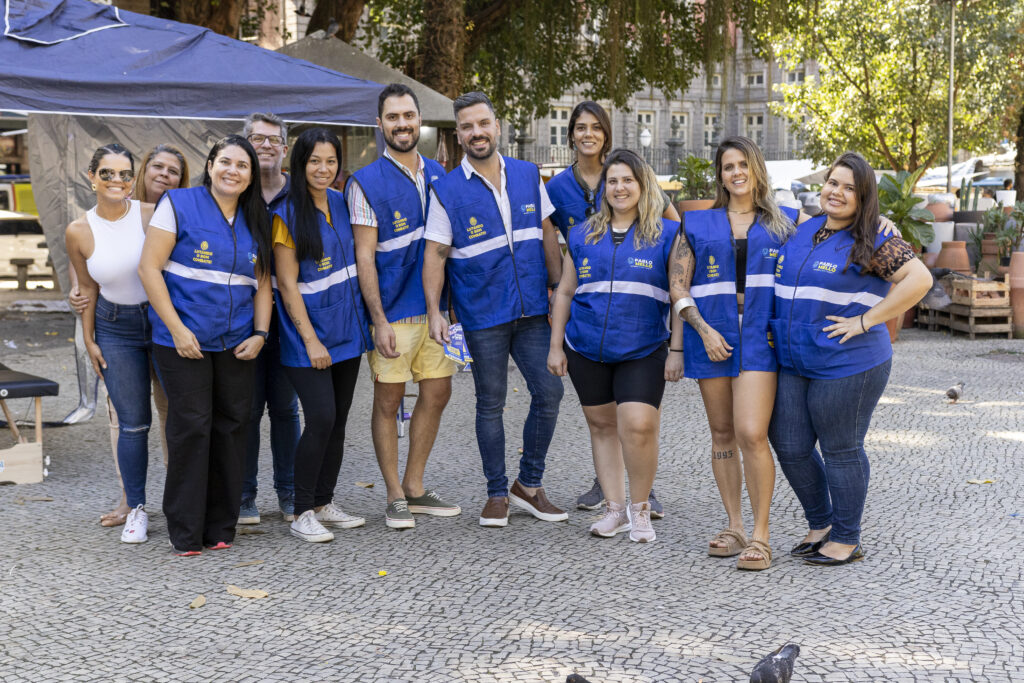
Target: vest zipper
(789,327)
(352,296)
(234,258)
(611,291)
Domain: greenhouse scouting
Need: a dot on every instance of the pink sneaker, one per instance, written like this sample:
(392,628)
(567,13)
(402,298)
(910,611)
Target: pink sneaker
(613,522)
(641,531)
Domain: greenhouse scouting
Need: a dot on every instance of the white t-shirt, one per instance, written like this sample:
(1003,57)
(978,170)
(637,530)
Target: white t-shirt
(439,226)
(164,218)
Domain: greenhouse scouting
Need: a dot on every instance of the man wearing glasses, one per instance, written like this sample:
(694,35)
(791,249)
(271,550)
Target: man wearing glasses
(268,135)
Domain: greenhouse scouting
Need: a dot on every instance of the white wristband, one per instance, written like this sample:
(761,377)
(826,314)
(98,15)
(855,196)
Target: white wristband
(685,302)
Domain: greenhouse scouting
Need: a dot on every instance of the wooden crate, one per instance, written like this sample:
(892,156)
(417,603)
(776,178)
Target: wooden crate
(932,319)
(980,320)
(980,293)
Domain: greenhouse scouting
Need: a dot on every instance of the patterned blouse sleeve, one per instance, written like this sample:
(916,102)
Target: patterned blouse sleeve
(894,253)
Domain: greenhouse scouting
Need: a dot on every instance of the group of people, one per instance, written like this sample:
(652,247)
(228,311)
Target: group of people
(257,286)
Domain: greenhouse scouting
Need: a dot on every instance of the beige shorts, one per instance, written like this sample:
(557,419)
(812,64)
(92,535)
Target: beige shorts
(420,357)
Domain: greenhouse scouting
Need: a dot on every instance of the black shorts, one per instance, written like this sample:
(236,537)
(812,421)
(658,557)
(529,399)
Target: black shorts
(641,380)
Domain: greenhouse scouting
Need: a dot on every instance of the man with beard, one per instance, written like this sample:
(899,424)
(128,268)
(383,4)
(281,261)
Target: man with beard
(387,204)
(489,221)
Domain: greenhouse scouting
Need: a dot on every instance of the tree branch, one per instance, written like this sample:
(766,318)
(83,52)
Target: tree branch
(485,21)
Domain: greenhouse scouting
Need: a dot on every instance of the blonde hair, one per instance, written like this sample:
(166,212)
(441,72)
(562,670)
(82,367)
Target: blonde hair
(772,218)
(140,182)
(649,208)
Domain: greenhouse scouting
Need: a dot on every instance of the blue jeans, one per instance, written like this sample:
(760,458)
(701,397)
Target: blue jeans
(124,336)
(526,340)
(835,413)
(274,391)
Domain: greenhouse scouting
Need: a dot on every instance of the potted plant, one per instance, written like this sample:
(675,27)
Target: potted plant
(968,203)
(995,239)
(697,177)
(897,201)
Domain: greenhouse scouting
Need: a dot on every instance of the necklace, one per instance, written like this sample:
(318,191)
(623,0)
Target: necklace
(127,208)
(741,212)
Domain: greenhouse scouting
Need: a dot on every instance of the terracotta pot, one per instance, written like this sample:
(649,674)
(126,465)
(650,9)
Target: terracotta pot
(908,317)
(894,328)
(1016,279)
(954,257)
(941,210)
(988,261)
(693,205)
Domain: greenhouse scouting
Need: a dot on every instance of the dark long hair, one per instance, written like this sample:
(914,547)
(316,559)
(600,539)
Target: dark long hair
(250,202)
(111,148)
(302,212)
(598,112)
(864,227)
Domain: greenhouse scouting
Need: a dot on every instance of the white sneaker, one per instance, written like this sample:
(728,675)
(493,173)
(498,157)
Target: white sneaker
(332,515)
(309,529)
(136,526)
(640,516)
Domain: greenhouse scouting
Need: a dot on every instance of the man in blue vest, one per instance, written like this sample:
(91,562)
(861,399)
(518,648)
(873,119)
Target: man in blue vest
(272,391)
(488,220)
(387,203)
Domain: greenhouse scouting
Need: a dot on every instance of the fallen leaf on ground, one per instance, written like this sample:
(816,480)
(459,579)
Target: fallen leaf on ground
(382,573)
(250,563)
(981,481)
(41,499)
(198,602)
(365,484)
(247,592)
(246,531)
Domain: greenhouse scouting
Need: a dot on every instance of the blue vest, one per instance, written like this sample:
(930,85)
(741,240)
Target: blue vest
(491,285)
(211,273)
(621,305)
(809,285)
(400,219)
(570,203)
(330,292)
(713,288)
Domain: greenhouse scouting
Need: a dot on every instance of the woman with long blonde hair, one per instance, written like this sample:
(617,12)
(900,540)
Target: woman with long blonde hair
(609,327)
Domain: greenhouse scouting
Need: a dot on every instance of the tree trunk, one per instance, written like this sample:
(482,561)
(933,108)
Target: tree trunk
(221,17)
(440,64)
(345,12)
(1018,162)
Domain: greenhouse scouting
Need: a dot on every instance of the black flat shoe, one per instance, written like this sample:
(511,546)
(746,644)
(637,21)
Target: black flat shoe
(825,561)
(808,548)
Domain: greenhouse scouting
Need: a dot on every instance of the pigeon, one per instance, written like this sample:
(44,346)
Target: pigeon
(776,667)
(332,28)
(936,298)
(575,678)
(954,392)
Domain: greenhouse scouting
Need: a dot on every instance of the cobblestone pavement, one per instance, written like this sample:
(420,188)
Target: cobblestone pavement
(937,599)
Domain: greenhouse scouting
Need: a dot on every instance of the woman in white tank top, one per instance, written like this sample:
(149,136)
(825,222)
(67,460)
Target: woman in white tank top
(104,248)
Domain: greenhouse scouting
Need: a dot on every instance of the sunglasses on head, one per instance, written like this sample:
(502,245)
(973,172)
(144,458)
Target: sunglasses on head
(590,197)
(108,174)
(257,139)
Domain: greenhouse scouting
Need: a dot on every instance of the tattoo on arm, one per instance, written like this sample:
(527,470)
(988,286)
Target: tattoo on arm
(722,455)
(295,318)
(692,316)
(681,268)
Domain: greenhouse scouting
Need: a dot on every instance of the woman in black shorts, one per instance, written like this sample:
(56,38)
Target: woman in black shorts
(608,331)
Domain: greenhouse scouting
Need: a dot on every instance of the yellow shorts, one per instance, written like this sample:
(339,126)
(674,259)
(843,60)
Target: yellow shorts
(420,357)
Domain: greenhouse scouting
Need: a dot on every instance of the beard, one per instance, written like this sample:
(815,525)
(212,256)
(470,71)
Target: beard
(414,139)
(486,154)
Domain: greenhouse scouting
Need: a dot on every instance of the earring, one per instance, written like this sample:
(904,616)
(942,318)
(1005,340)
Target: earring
(94,187)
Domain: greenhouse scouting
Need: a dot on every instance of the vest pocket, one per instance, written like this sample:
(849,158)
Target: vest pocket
(207,323)
(335,325)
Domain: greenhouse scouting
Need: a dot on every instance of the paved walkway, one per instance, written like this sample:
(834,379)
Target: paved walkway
(937,599)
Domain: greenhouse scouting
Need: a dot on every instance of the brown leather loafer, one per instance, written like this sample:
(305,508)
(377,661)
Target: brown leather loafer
(537,505)
(495,512)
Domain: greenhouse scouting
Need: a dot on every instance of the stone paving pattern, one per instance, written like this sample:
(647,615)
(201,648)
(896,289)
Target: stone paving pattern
(937,599)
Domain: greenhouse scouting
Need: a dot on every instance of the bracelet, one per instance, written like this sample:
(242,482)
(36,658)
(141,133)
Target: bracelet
(685,302)
(261,333)
(676,350)
(553,285)
(863,329)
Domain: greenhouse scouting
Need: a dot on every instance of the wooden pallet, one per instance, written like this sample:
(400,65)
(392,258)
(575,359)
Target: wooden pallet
(980,320)
(932,319)
(980,293)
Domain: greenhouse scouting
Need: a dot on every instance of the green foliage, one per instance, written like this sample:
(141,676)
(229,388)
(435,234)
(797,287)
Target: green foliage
(994,219)
(897,201)
(883,83)
(697,176)
(966,189)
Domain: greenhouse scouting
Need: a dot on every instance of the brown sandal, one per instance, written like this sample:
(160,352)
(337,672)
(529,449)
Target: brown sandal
(114,518)
(762,549)
(735,542)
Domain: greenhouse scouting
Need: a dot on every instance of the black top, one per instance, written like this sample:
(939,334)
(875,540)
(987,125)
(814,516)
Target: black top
(619,237)
(741,265)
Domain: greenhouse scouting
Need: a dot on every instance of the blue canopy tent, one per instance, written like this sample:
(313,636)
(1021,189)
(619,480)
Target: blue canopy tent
(89,74)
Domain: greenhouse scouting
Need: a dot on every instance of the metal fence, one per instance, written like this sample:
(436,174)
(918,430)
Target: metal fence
(662,159)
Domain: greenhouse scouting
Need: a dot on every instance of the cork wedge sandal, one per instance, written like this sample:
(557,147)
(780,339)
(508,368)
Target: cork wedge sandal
(735,542)
(760,547)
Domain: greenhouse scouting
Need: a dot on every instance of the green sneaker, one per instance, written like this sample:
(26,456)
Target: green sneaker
(398,516)
(432,504)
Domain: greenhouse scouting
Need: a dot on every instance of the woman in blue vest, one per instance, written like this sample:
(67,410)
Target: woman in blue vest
(324,326)
(575,194)
(205,268)
(836,283)
(609,325)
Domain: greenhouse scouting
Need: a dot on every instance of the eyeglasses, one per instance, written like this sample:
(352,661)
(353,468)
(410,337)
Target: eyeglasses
(108,174)
(257,139)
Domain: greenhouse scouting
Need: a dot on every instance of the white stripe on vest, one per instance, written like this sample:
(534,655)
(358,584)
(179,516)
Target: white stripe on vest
(400,242)
(827,295)
(527,234)
(216,277)
(763,280)
(480,247)
(624,287)
(698,291)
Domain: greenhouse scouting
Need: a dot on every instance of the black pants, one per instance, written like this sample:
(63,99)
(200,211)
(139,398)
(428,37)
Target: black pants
(208,404)
(326,396)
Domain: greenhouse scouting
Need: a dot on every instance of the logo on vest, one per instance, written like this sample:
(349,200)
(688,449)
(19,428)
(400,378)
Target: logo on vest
(824,267)
(252,257)
(778,265)
(769,253)
(572,221)
(324,264)
(475,229)
(203,253)
(400,223)
(583,270)
(528,208)
(713,269)
(644,263)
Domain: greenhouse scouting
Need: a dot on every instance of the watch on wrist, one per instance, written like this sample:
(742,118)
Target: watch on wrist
(261,333)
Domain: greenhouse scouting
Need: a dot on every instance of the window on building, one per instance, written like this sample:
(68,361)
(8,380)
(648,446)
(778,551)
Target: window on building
(558,126)
(716,80)
(753,127)
(795,137)
(711,125)
(755,78)
(645,119)
(796,76)
(680,124)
